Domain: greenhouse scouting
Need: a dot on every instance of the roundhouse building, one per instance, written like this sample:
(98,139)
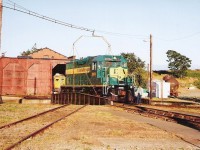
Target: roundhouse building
(31,75)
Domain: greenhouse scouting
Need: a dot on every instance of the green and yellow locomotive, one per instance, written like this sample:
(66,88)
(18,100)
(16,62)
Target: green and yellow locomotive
(102,75)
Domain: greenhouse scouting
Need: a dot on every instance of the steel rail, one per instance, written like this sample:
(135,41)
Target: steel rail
(192,121)
(192,99)
(172,114)
(31,117)
(42,129)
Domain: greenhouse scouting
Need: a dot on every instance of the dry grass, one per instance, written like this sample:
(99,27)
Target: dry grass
(10,112)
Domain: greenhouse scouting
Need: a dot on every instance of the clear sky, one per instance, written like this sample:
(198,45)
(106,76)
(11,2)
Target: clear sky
(174,25)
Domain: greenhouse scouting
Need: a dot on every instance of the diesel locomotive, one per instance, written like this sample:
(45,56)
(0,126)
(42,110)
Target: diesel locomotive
(103,75)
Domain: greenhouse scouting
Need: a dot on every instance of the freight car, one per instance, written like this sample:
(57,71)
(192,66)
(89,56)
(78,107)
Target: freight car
(103,75)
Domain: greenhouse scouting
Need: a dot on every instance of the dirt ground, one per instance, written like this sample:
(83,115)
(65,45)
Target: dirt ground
(97,127)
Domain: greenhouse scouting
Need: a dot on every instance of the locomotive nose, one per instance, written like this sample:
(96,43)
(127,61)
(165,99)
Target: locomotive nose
(118,73)
(121,74)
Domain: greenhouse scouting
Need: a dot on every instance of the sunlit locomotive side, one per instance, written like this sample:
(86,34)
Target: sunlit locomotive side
(102,75)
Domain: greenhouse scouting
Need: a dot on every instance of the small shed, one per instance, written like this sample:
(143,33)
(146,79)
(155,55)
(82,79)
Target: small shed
(160,89)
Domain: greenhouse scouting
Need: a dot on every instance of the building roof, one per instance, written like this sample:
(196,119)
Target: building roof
(47,53)
(48,49)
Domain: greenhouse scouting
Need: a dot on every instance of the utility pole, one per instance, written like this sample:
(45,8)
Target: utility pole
(150,75)
(1,9)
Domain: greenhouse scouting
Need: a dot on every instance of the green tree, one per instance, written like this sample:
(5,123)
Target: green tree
(28,52)
(136,68)
(178,64)
(134,62)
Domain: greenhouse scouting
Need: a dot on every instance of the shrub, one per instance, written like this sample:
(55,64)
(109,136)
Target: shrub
(197,83)
(193,73)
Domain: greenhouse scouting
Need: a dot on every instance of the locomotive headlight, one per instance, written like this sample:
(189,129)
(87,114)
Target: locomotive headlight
(131,87)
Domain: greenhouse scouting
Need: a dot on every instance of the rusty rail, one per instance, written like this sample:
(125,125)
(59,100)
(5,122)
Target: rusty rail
(171,114)
(42,129)
(31,117)
(192,121)
(78,99)
(193,99)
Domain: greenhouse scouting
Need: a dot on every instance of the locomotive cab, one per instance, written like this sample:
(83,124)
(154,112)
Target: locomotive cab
(113,72)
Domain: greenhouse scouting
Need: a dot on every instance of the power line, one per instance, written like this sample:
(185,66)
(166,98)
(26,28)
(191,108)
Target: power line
(19,8)
(122,34)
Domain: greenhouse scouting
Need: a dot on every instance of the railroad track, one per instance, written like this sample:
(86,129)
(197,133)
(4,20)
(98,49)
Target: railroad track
(31,117)
(194,99)
(14,134)
(189,120)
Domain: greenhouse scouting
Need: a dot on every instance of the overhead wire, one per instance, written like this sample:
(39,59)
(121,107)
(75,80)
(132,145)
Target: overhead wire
(122,34)
(22,9)
(19,8)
